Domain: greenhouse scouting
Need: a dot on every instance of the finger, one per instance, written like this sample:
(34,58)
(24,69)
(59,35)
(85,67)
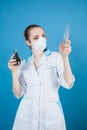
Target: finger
(12,60)
(66,45)
(68,42)
(61,48)
(67,48)
(12,63)
(61,45)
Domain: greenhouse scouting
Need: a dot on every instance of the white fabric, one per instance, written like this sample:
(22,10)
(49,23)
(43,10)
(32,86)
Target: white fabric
(40,107)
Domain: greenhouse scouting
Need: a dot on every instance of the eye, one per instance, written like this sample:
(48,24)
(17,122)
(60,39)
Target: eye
(36,38)
(44,36)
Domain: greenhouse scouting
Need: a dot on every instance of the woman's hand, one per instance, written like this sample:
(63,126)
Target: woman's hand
(12,64)
(65,48)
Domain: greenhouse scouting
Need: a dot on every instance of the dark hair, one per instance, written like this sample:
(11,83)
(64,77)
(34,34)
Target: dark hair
(28,29)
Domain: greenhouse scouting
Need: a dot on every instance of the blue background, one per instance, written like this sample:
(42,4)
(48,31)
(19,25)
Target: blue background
(52,15)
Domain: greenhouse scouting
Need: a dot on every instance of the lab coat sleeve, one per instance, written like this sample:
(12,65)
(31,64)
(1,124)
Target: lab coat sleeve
(21,78)
(60,70)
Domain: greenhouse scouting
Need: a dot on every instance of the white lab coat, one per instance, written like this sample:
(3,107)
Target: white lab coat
(40,107)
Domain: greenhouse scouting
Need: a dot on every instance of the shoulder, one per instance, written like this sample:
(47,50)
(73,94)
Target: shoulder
(53,54)
(56,56)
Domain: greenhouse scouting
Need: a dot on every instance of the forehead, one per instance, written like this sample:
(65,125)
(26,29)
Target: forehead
(36,31)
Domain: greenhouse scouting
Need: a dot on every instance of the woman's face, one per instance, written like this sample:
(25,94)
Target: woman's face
(35,33)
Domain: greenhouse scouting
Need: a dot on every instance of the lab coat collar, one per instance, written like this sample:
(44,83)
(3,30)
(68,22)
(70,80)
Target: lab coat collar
(43,59)
(47,52)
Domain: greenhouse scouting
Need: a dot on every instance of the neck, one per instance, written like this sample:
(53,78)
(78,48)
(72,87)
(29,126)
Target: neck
(37,55)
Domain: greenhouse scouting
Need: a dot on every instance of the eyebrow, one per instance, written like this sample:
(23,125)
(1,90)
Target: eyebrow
(38,35)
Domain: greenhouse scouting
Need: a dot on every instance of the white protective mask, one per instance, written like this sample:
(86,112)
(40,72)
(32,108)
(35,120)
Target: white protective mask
(39,45)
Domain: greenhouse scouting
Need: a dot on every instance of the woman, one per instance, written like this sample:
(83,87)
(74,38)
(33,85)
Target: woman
(38,81)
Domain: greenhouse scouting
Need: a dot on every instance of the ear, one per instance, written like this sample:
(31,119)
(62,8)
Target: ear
(28,42)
